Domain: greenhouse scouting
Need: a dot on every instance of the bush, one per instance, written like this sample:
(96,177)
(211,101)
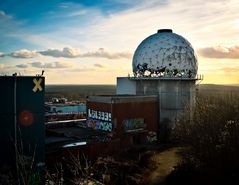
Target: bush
(210,134)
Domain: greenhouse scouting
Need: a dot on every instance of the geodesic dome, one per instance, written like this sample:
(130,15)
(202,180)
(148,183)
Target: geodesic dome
(165,54)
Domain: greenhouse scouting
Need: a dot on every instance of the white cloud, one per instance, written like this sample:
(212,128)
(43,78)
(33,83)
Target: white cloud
(200,22)
(78,13)
(4,15)
(66,52)
(24,53)
(220,52)
(197,20)
(50,65)
(69,52)
(107,54)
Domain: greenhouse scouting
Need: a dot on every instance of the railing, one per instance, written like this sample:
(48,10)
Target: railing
(197,77)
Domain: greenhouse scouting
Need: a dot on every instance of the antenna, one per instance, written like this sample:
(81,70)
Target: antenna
(42,73)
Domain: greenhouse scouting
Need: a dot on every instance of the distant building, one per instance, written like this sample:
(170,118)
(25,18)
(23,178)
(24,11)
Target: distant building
(69,108)
(64,111)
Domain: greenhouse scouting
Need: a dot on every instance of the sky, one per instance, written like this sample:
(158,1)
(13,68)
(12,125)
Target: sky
(93,41)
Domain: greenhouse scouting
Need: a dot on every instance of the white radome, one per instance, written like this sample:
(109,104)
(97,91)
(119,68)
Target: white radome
(165,54)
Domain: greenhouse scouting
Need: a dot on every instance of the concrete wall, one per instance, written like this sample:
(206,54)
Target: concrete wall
(174,94)
(125,86)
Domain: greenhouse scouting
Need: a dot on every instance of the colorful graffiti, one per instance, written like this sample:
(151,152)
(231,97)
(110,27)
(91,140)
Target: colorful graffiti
(134,124)
(99,120)
(100,115)
(151,137)
(99,125)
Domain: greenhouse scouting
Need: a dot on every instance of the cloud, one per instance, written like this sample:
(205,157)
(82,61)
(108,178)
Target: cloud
(231,69)
(78,13)
(220,52)
(106,54)
(66,52)
(4,15)
(9,25)
(50,65)
(24,53)
(69,52)
(22,66)
(75,52)
(99,65)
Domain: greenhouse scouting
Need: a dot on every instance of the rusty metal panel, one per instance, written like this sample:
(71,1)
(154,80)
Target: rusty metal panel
(138,116)
(128,114)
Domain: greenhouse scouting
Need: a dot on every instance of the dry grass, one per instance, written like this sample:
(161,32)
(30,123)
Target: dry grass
(211,136)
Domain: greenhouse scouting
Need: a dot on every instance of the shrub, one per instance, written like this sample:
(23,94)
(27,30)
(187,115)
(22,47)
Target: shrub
(210,134)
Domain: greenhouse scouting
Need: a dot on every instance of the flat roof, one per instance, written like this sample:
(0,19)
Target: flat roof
(122,98)
(18,76)
(165,78)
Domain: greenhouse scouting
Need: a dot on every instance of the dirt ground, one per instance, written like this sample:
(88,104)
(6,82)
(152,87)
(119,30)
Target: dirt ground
(147,166)
(164,161)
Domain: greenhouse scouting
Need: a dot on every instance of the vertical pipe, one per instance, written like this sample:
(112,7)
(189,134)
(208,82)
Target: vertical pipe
(111,107)
(15,124)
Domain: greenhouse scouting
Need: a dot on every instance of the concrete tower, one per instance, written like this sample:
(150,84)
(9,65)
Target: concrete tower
(164,64)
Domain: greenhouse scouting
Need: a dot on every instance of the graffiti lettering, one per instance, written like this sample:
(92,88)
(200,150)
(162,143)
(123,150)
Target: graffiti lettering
(99,125)
(133,124)
(151,137)
(94,114)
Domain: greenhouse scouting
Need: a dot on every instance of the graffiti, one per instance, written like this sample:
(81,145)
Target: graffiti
(142,70)
(100,115)
(99,120)
(99,125)
(151,137)
(134,124)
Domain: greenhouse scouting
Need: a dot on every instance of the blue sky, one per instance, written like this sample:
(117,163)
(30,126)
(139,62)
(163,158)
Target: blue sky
(44,16)
(93,41)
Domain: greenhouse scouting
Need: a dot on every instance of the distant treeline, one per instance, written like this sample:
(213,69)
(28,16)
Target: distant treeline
(78,92)
(217,90)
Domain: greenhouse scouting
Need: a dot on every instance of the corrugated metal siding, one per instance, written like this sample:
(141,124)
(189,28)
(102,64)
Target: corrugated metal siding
(135,112)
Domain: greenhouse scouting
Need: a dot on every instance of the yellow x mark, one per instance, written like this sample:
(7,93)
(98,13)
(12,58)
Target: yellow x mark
(37,84)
